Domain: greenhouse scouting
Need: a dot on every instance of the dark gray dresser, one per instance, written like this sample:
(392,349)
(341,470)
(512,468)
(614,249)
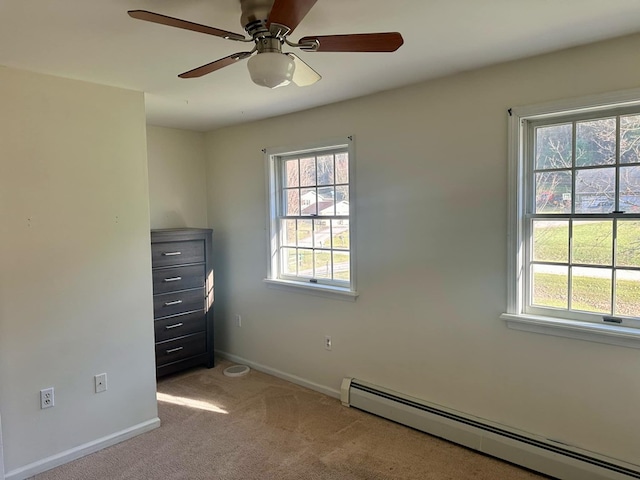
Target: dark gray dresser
(182,298)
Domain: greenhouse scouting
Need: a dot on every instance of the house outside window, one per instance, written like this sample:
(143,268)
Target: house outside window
(575,219)
(311,218)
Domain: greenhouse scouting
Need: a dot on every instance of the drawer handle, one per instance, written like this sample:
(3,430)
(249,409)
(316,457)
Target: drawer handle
(169,327)
(175,302)
(174,350)
(171,254)
(172,279)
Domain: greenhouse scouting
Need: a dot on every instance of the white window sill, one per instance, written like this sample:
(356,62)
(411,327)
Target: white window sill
(592,332)
(326,291)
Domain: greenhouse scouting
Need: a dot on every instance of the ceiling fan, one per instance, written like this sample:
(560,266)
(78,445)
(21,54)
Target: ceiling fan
(269,23)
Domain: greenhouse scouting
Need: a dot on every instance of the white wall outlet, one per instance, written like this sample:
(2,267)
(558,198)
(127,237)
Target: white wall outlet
(101,382)
(327,342)
(46,398)
(238,320)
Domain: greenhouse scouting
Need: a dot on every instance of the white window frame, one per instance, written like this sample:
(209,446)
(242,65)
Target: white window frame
(275,278)
(574,325)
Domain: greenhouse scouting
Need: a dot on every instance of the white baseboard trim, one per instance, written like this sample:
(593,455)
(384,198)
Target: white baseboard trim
(280,374)
(1,454)
(48,463)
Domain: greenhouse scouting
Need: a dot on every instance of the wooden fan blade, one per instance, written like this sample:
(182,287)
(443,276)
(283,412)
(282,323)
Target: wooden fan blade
(289,12)
(303,75)
(176,22)
(213,66)
(357,42)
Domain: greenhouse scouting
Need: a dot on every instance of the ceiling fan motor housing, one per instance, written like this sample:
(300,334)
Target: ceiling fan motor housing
(254,11)
(269,44)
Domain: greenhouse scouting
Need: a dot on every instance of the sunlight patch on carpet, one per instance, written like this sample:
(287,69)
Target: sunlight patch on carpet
(190,402)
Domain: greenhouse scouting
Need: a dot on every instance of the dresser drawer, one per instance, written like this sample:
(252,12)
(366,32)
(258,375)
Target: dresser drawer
(179,326)
(165,254)
(178,302)
(183,347)
(178,278)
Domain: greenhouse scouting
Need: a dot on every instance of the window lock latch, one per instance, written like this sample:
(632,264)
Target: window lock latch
(609,319)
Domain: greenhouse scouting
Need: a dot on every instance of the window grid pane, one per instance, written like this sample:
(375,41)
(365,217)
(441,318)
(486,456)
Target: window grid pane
(630,139)
(292,173)
(341,265)
(554,147)
(288,258)
(596,142)
(595,190)
(582,255)
(553,191)
(627,288)
(630,189)
(550,286)
(551,241)
(628,244)
(591,289)
(592,242)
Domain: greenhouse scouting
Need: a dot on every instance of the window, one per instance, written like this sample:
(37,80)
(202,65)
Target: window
(575,220)
(310,218)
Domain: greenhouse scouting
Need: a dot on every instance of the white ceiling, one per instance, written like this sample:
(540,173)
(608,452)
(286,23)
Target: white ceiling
(96,41)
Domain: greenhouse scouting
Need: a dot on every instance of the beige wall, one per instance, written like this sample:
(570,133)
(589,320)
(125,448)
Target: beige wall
(431,180)
(75,276)
(177,180)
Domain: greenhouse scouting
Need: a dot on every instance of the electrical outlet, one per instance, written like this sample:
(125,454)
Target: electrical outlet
(46,398)
(101,382)
(327,342)
(238,320)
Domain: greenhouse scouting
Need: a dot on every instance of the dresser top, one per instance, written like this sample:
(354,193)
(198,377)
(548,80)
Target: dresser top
(170,234)
(178,230)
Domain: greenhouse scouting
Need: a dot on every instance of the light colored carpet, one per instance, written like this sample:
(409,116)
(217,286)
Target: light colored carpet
(259,427)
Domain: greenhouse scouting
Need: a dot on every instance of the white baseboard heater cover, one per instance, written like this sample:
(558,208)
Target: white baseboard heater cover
(521,448)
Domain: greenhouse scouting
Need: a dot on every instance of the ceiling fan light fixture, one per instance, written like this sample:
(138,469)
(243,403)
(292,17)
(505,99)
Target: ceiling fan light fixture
(271,69)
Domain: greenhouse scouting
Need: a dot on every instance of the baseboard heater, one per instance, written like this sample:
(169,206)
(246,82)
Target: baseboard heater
(535,453)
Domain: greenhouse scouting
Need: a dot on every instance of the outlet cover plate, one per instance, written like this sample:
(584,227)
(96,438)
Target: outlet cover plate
(46,398)
(101,382)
